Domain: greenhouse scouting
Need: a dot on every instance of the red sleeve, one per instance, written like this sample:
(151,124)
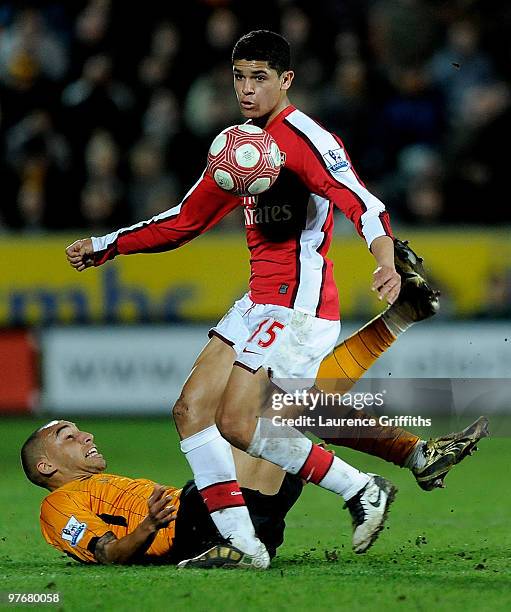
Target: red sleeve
(202,208)
(329,173)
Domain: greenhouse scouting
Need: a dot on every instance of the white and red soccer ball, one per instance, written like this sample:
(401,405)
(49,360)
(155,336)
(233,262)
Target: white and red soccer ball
(244,160)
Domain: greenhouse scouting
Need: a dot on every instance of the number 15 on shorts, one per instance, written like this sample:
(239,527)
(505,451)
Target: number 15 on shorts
(266,333)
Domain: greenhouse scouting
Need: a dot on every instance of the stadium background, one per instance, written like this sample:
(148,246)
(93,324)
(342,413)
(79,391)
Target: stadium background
(107,109)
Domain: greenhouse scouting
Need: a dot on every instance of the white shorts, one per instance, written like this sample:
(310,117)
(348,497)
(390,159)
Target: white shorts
(289,344)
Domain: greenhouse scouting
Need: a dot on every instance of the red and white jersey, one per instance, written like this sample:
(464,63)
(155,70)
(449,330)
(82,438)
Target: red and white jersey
(289,227)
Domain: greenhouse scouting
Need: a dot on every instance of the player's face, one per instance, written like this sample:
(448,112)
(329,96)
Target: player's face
(261,91)
(70,450)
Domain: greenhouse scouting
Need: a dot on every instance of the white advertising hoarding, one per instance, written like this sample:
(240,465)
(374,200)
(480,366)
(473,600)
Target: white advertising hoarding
(447,350)
(141,370)
(115,369)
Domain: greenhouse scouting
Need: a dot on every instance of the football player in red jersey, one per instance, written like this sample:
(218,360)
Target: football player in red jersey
(288,323)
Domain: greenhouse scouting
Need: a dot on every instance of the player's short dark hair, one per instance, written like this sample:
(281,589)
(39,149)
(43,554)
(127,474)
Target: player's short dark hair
(29,454)
(264,46)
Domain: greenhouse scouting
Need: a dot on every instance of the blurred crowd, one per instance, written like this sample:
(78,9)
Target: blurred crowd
(107,108)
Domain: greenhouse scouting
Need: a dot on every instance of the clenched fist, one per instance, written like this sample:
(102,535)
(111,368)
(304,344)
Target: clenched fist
(79,254)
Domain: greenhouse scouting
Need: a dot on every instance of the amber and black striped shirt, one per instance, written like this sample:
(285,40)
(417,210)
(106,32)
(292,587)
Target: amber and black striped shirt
(76,515)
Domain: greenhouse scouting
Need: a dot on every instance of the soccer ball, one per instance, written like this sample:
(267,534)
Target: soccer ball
(244,160)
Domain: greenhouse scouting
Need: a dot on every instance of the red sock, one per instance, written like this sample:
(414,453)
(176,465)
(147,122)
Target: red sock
(222,495)
(316,465)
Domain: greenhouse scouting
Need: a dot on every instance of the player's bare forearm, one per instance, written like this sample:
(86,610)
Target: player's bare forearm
(386,280)
(125,550)
(382,249)
(131,547)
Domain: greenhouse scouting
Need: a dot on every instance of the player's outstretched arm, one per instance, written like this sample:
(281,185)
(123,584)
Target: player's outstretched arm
(200,210)
(131,547)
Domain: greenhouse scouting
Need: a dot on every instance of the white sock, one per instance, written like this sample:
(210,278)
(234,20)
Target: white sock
(210,457)
(291,450)
(343,479)
(416,458)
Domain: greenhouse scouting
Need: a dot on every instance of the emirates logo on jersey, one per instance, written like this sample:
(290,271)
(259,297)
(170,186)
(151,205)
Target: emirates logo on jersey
(269,214)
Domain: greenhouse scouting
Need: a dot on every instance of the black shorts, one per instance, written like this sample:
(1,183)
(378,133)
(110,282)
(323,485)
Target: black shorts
(196,532)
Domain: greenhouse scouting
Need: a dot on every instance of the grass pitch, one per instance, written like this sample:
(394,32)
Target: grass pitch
(445,550)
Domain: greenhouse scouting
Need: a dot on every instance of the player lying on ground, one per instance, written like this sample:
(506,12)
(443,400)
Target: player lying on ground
(104,518)
(289,322)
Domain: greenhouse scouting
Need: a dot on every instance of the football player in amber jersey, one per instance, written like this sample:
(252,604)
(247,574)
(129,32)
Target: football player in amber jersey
(95,517)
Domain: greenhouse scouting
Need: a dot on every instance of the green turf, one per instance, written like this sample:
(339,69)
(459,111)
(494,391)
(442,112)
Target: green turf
(446,550)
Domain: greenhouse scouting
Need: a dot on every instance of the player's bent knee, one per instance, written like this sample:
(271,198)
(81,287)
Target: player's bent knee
(191,415)
(180,410)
